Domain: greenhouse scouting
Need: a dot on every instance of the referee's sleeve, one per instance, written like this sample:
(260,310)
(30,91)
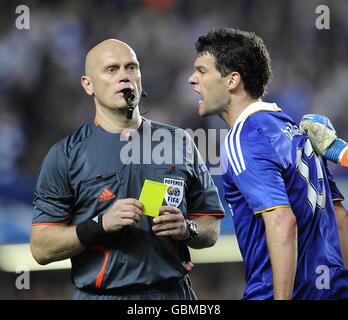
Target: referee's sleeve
(203,197)
(54,199)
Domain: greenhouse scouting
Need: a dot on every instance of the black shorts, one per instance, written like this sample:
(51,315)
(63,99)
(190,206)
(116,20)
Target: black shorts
(177,290)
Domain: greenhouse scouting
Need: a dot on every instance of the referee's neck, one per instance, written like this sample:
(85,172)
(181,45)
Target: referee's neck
(115,121)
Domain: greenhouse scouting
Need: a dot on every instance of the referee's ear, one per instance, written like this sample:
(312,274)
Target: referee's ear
(86,83)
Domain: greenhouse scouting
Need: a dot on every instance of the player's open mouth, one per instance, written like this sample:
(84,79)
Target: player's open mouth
(200,101)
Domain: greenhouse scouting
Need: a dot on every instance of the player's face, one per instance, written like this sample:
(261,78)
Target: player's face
(116,68)
(210,85)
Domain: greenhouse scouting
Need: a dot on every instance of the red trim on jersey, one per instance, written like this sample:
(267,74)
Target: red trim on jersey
(100,276)
(49,224)
(198,214)
(188,266)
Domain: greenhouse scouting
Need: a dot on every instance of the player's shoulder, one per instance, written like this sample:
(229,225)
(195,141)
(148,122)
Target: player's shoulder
(69,142)
(258,127)
(262,119)
(266,116)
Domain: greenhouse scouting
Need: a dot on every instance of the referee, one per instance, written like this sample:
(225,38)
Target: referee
(86,207)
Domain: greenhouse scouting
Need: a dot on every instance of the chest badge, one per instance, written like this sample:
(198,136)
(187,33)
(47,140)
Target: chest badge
(175,191)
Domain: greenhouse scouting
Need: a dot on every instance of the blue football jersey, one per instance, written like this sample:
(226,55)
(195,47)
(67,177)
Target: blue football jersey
(271,164)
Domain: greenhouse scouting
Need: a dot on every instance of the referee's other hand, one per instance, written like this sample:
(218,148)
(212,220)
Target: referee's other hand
(124,212)
(170,222)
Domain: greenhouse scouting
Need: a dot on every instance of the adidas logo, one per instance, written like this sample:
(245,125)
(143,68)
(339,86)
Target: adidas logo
(106,195)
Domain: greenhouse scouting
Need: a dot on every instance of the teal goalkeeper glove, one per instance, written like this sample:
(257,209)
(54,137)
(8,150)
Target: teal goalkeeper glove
(323,138)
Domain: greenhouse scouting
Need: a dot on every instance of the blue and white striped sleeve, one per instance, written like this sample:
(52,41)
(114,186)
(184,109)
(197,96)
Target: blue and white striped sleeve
(255,168)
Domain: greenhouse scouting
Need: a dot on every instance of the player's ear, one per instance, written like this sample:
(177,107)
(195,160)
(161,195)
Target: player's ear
(233,80)
(87,85)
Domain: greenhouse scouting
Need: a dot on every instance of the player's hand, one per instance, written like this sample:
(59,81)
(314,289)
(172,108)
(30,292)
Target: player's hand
(124,212)
(323,138)
(170,222)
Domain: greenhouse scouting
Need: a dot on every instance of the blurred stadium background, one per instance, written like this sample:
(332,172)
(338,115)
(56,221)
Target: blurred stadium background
(41,100)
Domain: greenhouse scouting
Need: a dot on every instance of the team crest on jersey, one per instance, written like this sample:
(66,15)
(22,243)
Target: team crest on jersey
(175,191)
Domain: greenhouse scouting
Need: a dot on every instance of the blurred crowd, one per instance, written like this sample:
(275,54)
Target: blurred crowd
(41,99)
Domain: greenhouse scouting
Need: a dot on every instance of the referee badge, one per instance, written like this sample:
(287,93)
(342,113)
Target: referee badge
(175,191)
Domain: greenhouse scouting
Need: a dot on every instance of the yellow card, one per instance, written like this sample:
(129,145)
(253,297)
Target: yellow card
(152,196)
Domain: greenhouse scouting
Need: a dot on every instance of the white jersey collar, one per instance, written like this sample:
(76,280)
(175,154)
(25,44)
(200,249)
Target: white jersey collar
(256,107)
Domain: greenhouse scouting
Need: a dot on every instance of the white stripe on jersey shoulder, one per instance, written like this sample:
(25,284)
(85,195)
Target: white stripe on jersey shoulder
(228,152)
(232,140)
(234,150)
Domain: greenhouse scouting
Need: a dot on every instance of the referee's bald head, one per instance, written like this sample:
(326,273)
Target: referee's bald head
(110,67)
(97,54)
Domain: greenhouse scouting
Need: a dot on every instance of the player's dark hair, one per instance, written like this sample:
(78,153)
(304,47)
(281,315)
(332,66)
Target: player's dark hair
(241,51)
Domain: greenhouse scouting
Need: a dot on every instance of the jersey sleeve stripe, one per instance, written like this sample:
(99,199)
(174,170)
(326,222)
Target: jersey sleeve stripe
(228,152)
(199,214)
(271,209)
(239,149)
(338,199)
(49,224)
(234,150)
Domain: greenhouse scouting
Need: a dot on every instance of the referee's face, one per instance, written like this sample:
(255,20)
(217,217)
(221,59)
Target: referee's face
(210,85)
(111,67)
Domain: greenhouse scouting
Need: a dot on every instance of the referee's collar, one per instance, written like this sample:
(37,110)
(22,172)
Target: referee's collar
(256,107)
(144,122)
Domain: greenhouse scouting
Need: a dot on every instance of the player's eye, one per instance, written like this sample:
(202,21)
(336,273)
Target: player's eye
(201,70)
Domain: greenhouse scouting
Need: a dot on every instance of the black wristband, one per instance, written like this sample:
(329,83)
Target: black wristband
(91,231)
